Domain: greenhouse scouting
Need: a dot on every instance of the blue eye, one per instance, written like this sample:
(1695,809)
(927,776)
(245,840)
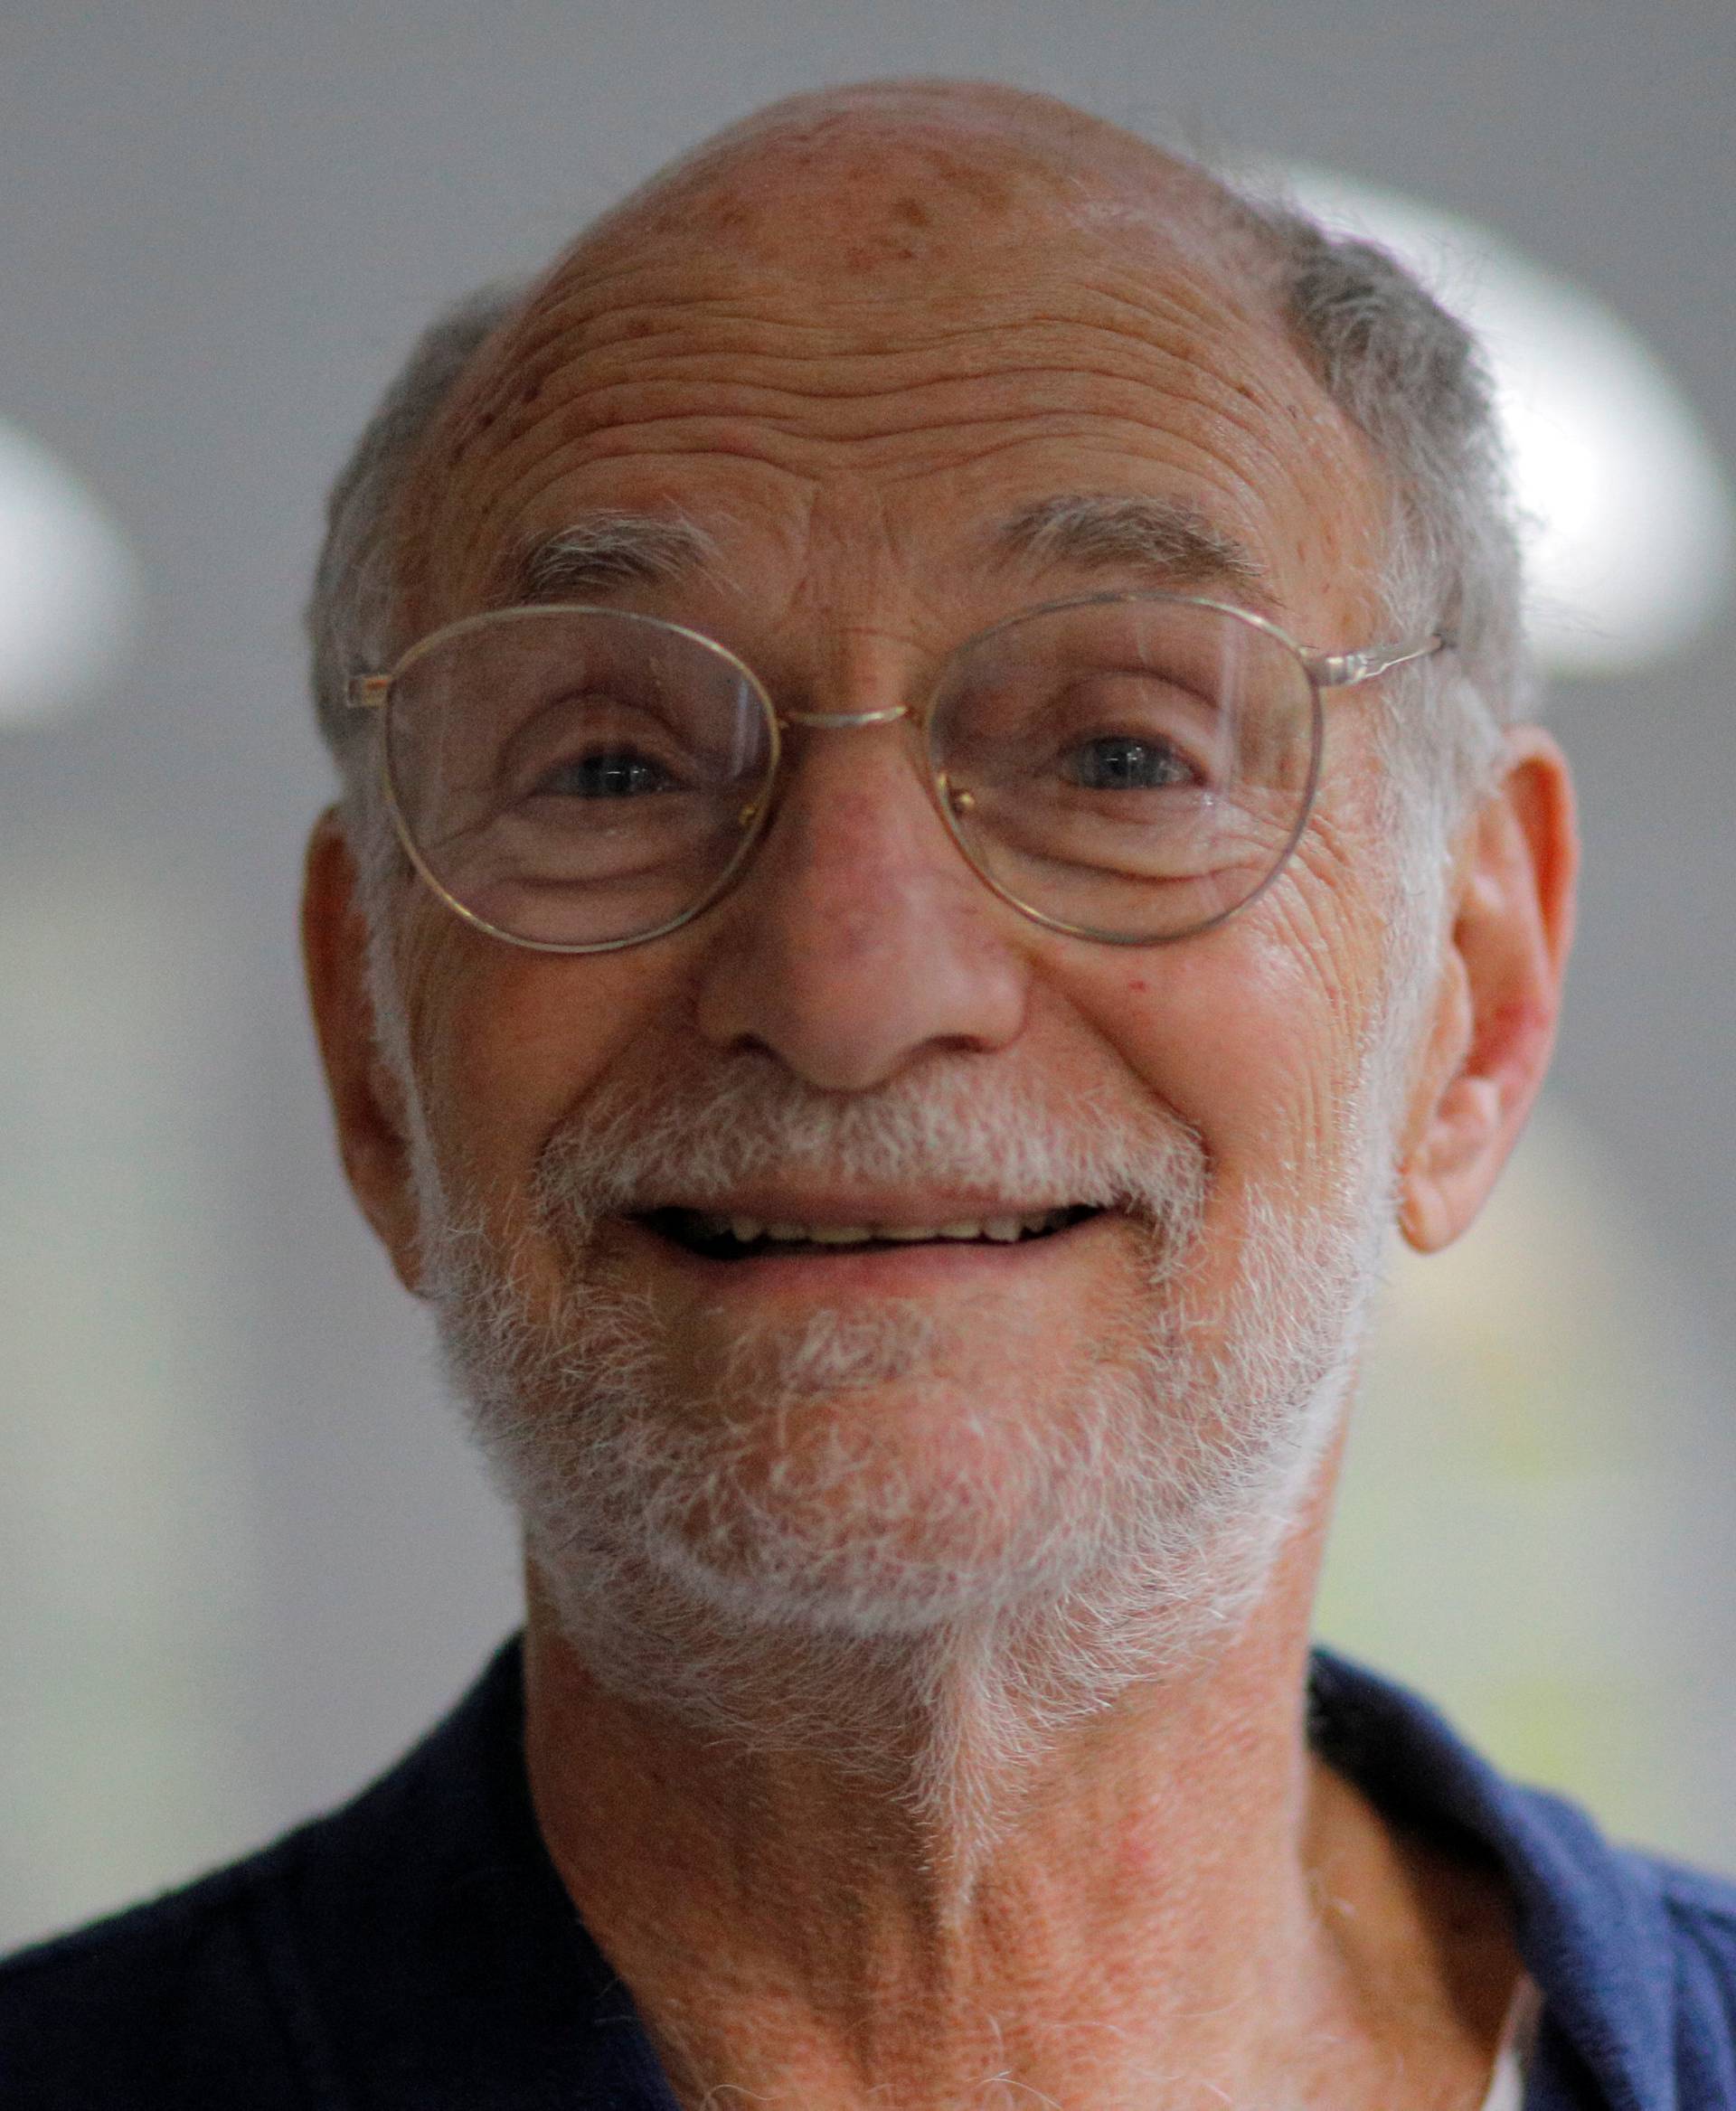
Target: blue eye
(608,774)
(1118,762)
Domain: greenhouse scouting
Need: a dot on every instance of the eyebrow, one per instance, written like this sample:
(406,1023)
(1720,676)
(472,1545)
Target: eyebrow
(603,550)
(1101,531)
(1108,531)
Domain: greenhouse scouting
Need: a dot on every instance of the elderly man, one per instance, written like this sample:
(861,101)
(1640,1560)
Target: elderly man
(934,850)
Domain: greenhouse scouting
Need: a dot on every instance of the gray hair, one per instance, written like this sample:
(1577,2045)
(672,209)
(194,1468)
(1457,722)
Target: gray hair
(1413,381)
(1408,375)
(352,613)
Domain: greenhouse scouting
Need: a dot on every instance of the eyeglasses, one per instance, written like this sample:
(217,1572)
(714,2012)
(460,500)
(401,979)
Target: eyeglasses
(1124,767)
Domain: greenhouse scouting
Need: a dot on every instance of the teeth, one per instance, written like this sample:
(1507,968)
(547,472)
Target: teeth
(1004,1230)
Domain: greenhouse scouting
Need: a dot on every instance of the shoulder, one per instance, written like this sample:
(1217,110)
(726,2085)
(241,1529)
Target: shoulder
(171,2003)
(275,1981)
(1701,1911)
(1634,1955)
(1696,1896)
(1682,1977)
(303,1969)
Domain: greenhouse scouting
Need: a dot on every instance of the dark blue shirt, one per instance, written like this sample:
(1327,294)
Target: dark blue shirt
(416,1952)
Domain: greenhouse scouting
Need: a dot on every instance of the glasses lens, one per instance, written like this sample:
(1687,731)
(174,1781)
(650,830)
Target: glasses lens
(1133,769)
(577,778)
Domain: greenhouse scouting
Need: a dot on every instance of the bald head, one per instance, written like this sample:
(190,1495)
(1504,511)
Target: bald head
(888,194)
(905,161)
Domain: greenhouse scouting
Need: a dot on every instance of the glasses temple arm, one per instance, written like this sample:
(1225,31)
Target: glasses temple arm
(1345,670)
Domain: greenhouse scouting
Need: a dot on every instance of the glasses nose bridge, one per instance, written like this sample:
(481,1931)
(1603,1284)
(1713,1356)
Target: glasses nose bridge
(845,720)
(908,717)
(897,694)
(910,720)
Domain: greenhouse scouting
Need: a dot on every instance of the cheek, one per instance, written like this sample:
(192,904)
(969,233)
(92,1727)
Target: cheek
(1250,1034)
(509,1041)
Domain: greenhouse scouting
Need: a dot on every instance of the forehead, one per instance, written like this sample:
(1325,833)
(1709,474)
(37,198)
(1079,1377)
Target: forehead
(856,358)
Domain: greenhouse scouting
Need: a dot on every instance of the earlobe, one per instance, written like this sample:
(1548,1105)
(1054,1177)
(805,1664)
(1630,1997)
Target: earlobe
(1495,1018)
(367,1099)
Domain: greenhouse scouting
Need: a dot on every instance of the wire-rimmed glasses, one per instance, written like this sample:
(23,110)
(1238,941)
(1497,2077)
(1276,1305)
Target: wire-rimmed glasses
(1124,767)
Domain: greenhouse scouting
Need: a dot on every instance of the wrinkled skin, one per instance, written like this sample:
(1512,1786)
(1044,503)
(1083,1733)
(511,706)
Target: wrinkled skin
(845,340)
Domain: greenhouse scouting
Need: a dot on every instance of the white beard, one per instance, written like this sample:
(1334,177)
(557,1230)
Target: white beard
(836,1597)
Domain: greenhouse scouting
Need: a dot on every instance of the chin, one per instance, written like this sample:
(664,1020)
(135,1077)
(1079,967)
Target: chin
(896,1508)
(842,1486)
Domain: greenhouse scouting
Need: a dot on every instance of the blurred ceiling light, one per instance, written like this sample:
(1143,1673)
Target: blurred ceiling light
(1634,525)
(68,589)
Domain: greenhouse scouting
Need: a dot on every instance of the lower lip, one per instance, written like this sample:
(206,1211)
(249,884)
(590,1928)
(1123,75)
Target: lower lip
(865,1269)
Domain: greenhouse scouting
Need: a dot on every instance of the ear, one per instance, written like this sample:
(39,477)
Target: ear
(367,1097)
(1500,995)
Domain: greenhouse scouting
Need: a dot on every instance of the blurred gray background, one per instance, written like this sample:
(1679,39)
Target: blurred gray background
(244,1554)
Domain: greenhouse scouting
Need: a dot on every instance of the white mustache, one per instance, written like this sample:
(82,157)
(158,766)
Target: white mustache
(646,1139)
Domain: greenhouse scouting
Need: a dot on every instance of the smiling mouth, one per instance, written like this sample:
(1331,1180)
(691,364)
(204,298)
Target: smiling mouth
(715,1237)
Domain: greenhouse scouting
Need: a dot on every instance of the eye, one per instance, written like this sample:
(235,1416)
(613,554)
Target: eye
(1123,762)
(607,773)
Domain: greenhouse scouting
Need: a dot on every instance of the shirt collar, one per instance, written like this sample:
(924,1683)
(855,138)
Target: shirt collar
(1590,1925)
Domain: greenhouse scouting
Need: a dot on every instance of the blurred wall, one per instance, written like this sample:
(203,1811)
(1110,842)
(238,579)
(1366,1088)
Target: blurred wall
(244,1555)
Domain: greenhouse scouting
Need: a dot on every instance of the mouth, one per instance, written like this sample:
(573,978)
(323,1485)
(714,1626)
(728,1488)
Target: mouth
(713,1236)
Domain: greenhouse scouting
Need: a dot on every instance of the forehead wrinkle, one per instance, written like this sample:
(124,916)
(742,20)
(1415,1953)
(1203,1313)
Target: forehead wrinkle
(709,390)
(646,306)
(692,357)
(775,323)
(774,427)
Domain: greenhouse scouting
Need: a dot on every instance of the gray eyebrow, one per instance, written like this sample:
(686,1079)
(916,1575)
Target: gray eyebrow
(606,550)
(1112,530)
(1092,530)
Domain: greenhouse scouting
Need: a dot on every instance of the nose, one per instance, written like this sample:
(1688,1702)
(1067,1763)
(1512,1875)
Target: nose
(858,940)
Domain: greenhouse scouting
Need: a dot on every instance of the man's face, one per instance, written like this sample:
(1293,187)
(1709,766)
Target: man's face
(847,380)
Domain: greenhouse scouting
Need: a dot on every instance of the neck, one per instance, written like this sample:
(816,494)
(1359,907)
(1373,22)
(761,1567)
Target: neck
(1145,1904)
